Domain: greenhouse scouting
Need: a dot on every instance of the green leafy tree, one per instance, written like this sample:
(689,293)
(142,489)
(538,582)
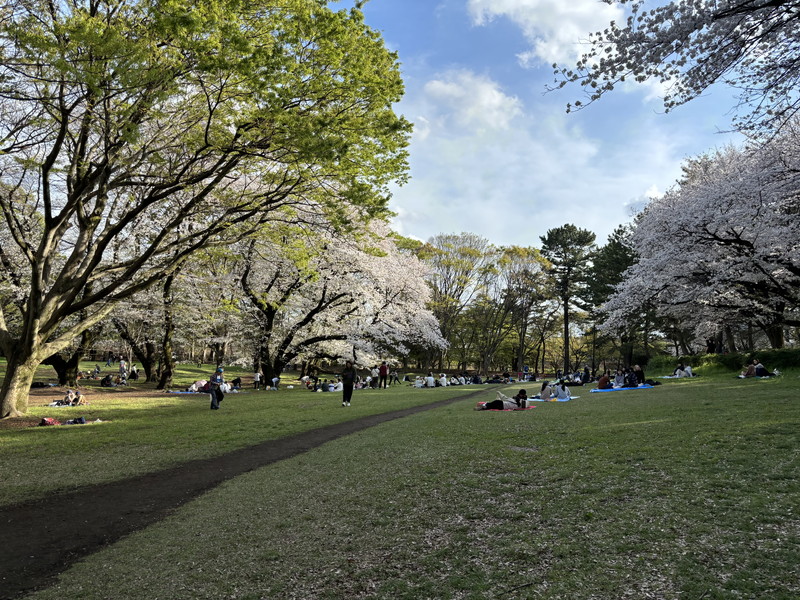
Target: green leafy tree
(526,291)
(459,266)
(608,267)
(134,134)
(569,250)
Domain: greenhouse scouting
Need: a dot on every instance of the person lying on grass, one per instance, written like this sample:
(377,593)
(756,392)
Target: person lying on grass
(503,402)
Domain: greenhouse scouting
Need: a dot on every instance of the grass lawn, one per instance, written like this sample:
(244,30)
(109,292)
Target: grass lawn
(142,430)
(689,490)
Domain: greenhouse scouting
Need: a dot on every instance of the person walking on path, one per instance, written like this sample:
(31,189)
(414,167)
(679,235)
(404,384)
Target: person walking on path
(348,381)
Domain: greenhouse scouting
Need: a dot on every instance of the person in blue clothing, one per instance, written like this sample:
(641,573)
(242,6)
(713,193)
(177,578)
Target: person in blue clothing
(214,383)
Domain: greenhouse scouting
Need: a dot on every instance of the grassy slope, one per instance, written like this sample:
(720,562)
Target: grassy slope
(689,490)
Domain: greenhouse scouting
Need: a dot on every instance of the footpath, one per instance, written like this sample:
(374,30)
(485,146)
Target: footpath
(40,539)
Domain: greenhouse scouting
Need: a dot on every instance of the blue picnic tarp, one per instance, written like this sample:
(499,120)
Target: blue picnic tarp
(644,386)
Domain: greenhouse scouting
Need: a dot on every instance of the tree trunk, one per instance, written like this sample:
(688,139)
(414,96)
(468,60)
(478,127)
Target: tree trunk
(145,355)
(272,369)
(168,362)
(59,364)
(775,335)
(731,340)
(566,334)
(20,372)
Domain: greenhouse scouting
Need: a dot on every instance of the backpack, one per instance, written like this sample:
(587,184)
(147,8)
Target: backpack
(49,421)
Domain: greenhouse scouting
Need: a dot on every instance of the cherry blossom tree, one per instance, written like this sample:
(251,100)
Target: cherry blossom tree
(321,294)
(723,247)
(688,45)
(134,134)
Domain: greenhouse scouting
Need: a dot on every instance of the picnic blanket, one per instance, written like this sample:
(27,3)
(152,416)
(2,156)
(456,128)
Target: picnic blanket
(643,386)
(536,399)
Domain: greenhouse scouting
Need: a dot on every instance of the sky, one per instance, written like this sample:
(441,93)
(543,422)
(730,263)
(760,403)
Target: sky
(494,153)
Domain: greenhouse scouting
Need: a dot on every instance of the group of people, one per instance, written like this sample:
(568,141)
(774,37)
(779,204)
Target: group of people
(756,369)
(557,391)
(623,378)
(71,398)
(442,380)
(683,370)
(259,380)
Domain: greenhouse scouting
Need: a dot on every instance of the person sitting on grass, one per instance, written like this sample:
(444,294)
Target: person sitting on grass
(562,391)
(631,381)
(619,379)
(503,402)
(750,370)
(546,391)
(761,370)
(605,382)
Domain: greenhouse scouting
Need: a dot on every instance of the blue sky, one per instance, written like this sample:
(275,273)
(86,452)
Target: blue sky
(493,154)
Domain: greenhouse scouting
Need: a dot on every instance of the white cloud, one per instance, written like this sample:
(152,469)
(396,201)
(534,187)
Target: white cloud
(485,162)
(556,29)
(473,100)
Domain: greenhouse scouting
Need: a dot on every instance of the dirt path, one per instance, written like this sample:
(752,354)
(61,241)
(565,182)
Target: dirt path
(41,539)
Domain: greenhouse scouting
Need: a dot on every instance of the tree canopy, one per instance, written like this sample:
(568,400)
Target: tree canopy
(135,133)
(721,248)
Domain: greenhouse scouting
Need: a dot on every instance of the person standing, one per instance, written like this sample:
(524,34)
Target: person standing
(348,381)
(383,375)
(214,383)
(375,375)
(257,380)
(393,378)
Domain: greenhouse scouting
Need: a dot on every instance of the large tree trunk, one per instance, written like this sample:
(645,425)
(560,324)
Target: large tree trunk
(20,372)
(732,346)
(68,369)
(146,354)
(168,362)
(775,335)
(272,369)
(59,364)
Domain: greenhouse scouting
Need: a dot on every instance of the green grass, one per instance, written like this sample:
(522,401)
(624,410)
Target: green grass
(142,434)
(689,490)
